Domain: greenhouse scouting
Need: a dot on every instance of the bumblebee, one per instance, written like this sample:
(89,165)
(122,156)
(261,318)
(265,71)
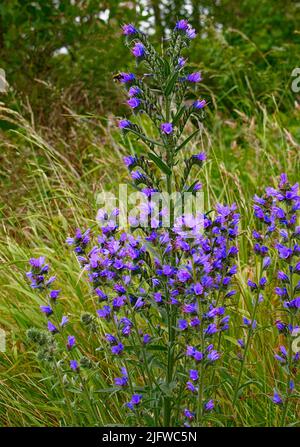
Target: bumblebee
(117,77)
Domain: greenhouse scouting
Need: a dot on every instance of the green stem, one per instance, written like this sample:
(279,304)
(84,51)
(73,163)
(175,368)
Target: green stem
(201,371)
(251,330)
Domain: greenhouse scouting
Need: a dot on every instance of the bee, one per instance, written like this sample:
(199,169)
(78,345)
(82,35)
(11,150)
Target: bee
(117,77)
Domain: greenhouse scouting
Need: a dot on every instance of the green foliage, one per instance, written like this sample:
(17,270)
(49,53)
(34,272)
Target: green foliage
(56,159)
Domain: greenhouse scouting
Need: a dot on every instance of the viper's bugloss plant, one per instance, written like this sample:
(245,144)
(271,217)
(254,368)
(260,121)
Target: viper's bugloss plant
(164,292)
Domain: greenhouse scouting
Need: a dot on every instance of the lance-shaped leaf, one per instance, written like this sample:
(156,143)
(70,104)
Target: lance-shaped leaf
(186,141)
(160,163)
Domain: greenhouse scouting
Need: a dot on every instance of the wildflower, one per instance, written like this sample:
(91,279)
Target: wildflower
(64,321)
(46,310)
(54,294)
(135,400)
(167,128)
(276,398)
(209,406)
(181,62)
(127,78)
(129,30)
(71,342)
(124,124)
(194,77)
(105,312)
(194,374)
(146,339)
(52,328)
(117,349)
(213,355)
(74,365)
(191,387)
(182,324)
(199,104)
(138,50)
(191,33)
(134,102)
(182,25)
(189,414)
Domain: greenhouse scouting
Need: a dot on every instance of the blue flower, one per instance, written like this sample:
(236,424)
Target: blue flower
(194,77)
(74,365)
(138,50)
(129,29)
(134,102)
(71,342)
(167,128)
(124,124)
(46,310)
(276,398)
(199,104)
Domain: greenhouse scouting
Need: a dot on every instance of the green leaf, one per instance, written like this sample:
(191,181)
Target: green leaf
(171,83)
(160,163)
(186,141)
(178,115)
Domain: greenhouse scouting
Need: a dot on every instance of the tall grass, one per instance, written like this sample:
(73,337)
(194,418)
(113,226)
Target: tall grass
(48,189)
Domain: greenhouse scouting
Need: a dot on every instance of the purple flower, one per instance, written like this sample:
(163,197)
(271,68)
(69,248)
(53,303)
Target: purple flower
(51,328)
(37,263)
(146,339)
(135,400)
(127,78)
(248,322)
(194,77)
(134,91)
(121,381)
(182,324)
(117,349)
(138,50)
(190,351)
(181,62)
(129,29)
(197,187)
(74,365)
(134,102)
(110,338)
(276,398)
(167,128)
(241,343)
(64,321)
(183,275)
(104,312)
(194,374)
(198,356)
(101,294)
(252,285)
(211,329)
(191,387)
(182,25)
(71,342)
(209,406)
(46,310)
(199,104)
(191,32)
(213,355)
(54,294)
(125,124)
(189,414)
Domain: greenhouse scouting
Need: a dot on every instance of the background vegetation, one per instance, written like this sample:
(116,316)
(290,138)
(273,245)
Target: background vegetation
(59,148)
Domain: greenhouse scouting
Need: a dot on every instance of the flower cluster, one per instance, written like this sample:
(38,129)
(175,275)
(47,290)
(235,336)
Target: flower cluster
(276,240)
